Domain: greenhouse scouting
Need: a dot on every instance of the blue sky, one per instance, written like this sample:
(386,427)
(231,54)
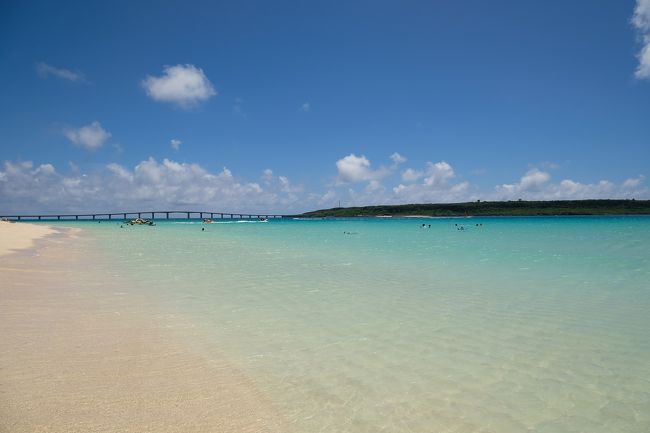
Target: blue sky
(291,106)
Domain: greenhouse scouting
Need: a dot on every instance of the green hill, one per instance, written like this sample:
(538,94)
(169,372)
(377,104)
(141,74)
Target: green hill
(494,208)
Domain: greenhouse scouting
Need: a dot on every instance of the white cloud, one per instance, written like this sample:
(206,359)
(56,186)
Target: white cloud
(175,143)
(437,184)
(411,175)
(149,185)
(633,182)
(374,185)
(152,184)
(641,18)
(568,188)
(184,85)
(90,137)
(44,70)
(397,158)
(435,187)
(354,168)
(419,193)
(537,185)
(281,183)
(531,182)
(120,172)
(438,174)
(643,70)
(45,169)
(305,108)
(329,199)
(641,21)
(267,175)
(287,186)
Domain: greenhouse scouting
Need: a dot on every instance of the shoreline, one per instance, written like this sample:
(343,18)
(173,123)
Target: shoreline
(82,352)
(495,208)
(448,217)
(20,236)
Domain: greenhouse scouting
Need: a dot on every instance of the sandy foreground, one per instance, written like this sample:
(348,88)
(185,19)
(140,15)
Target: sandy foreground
(80,352)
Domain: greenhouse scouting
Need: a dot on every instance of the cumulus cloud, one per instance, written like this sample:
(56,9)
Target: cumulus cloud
(532,181)
(175,143)
(436,186)
(437,182)
(287,186)
(374,186)
(641,21)
(152,184)
(643,70)
(45,169)
(23,187)
(184,85)
(354,168)
(90,137)
(281,183)
(327,200)
(418,193)
(149,185)
(633,182)
(537,185)
(641,18)
(438,174)
(397,158)
(411,175)
(267,175)
(44,71)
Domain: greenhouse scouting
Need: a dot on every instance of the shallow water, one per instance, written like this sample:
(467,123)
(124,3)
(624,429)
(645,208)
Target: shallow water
(514,325)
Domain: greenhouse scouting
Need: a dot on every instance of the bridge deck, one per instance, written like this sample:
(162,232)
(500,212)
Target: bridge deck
(150,214)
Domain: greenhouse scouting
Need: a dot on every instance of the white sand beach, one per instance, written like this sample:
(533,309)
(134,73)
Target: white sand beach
(17,236)
(77,354)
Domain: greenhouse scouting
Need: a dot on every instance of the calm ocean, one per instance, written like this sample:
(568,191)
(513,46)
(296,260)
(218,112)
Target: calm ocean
(368,325)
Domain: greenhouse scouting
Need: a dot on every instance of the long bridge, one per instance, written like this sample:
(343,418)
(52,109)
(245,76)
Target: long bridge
(165,214)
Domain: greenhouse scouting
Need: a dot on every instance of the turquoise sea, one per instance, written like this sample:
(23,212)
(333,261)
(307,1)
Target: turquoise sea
(372,325)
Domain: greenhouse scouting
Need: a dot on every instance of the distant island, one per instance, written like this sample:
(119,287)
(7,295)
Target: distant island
(492,208)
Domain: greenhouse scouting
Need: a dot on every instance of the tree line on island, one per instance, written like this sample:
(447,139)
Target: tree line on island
(493,208)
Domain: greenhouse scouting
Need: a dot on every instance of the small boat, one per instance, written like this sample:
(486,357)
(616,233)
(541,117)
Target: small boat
(207,221)
(141,222)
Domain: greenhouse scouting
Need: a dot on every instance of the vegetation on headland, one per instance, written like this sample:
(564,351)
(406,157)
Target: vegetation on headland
(493,208)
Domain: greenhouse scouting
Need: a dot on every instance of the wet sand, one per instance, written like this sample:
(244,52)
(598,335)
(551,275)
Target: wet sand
(81,352)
